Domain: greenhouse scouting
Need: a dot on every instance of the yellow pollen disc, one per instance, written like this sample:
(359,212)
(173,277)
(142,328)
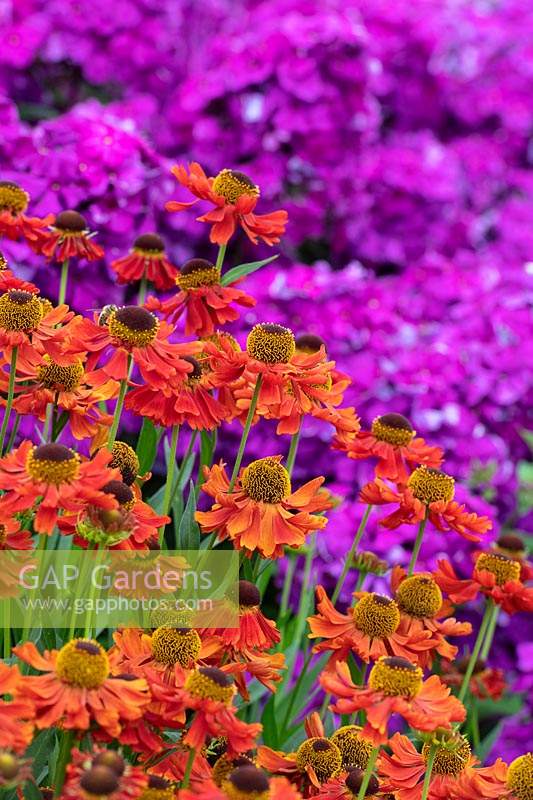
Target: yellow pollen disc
(394,429)
(266,480)
(452,758)
(82,663)
(3,262)
(431,485)
(13,198)
(125,459)
(520,777)
(20,311)
(133,326)
(376,615)
(419,596)
(9,766)
(172,646)
(395,677)
(355,750)
(209,683)
(197,273)
(271,343)
(158,794)
(61,379)
(53,463)
(232,184)
(321,754)
(502,567)
(46,304)
(224,766)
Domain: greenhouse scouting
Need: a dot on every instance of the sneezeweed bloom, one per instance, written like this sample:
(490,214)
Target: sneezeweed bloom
(485,681)
(255,631)
(516,781)
(78,689)
(70,238)
(234,197)
(429,492)
(316,760)
(53,478)
(347,785)
(393,442)
(354,748)
(147,259)
(102,772)
(244,783)
(513,546)
(201,297)
(372,628)
(262,513)
(395,686)
(14,223)
(26,322)
(125,459)
(16,714)
(13,537)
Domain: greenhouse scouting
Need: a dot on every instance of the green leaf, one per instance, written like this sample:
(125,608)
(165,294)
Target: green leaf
(147,446)
(40,751)
(188,531)
(245,269)
(270,724)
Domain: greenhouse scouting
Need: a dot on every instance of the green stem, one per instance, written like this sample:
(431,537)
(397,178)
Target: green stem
(7,631)
(169,485)
(63,282)
(220,256)
(13,434)
(287,583)
(48,425)
(245,432)
(183,464)
(188,769)
(293,449)
(306,583)
(349,558)
(118,408)
(296,688)
(142,290)
(474,722)
(360,580)
(10,396)
(417,545)
(491,630)
(477,647)
(429,770)
(67,739)
(368,773)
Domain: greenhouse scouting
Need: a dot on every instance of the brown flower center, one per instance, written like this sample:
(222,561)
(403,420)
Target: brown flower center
(197,272)
(394,429)
(247,782)
(308,343)
(133,326)
(149,243)
(249,594)
(122,493)
(70,222)
(210,683)
(355,779)
(322,755)
(99,781)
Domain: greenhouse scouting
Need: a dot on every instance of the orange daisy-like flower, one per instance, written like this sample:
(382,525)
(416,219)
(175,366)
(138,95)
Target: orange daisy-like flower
(372,628)
(12,537)
(78,689)
(28,321)
(70,238)
(234,197)
(16,715)
(206,303)
(346,787)
(14,223)
(423,608)
(512,545)
(485,681)
(495,575)
(395,686)
(262,513)
(244,782)
(513,782)
(428,492)
(54,478)
(255,631)
(102,773)
(405,768)
(147,259)
(394,443)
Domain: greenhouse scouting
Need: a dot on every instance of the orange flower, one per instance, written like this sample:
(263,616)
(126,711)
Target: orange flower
(513,782)
(14,223)
(495,575)
(16,715)
(454,764)
(54,477)
(512,545)
(346,787)
(255,631)
(234,197)
(245,781)
(147,258)
(102,773)
(206,303)
(13,538)
(395,686)
(262,513)
(372,628)
(78,688)
(485,681)
(428,492)
(28,321)
(70,238)
(394,443)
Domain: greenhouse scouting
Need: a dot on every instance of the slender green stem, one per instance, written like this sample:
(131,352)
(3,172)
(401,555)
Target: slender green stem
(474,722)
(349,558)
(188,769)
(169,485)
(287,583)
(293,449)
(48,422)
(429,770)
(368,773)
(13,434)
(220,256)
(477,647)
(305,589)
(10,396)
(118,408)
(245,433)
(295,689)
(67,739)
(63,282)
(417,545)
(491,630)
(142,290)
(360,580)
(7,631)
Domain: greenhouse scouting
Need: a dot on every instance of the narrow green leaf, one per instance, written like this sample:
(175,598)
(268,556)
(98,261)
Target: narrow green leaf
(147,446)
(270,724)
(245,269)
(188,531)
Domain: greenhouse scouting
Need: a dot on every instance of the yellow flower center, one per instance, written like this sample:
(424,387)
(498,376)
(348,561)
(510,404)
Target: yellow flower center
(158,789)
(20,311)
(308,343)
(53,463)
(355,778)
(394,429)
(149,244)
(82,663)
(232,184)
(122,493)
(247,783)
(270,343)
(210,683)
(125,459)
(196,273)
(354,749)
(431,485)
(70,222)
(249,595)
(321,754)
(502,567)
(451,758)
(224,766)
(176,646)
(395,677)
(3,262)
(419,596)
(266,480)
(46,304)
(13,198)
(376,615)
(520,777)
(99,781)
(60,378)
(133,326)
(9,766)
